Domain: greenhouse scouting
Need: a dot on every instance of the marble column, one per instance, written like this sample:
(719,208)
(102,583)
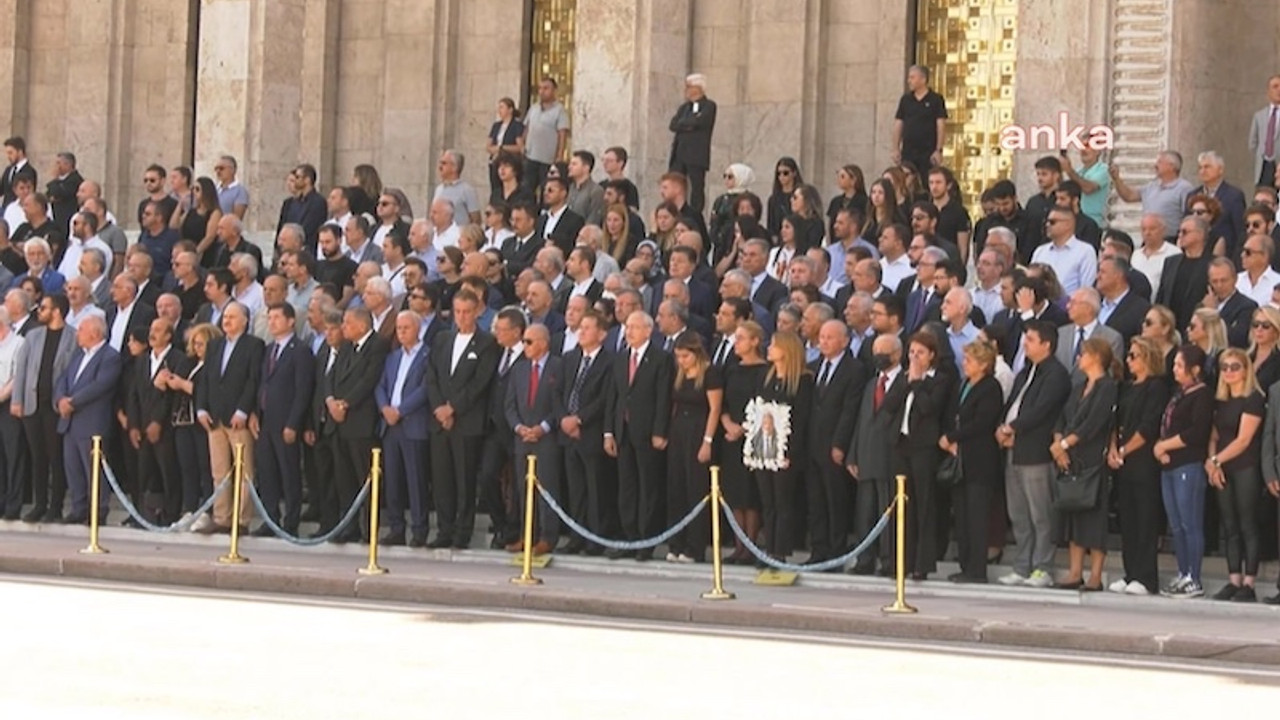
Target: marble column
(14,64)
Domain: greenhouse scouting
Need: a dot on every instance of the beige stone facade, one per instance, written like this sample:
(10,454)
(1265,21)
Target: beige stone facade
(124,83)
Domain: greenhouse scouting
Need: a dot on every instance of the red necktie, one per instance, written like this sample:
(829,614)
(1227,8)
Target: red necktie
(533,383)
(1269,149)
(882,385)
(631,368)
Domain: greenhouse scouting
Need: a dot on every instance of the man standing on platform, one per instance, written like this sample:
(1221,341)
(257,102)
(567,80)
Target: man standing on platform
(402,399)
(284,397)
(693,124)
(84,396)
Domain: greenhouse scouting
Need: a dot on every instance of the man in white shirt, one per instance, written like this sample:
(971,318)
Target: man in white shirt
(247,291)
(1075,262)
(12,479)
(986,293)
(895,266)
(339,205)
(444,231)
(1257,280)
(395,248)
(1149,258)
(84,229)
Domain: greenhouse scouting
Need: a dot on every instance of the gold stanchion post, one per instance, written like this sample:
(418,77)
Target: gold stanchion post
(233,557)
(530,486)
(95,487)
(717,591)
(375,481)
(900,601)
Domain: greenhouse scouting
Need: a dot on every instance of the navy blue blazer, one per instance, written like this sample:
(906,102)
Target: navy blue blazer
(285,394)
(415,413)
(91,394)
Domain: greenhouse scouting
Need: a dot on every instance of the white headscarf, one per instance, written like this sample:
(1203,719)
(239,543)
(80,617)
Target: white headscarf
(743,177)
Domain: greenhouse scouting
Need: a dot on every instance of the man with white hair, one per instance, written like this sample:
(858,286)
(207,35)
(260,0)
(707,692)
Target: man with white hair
(1083,308)
(80,301)
(606,265)
(247,290)
(231,239)
(84,395)
(38,256)
(1166,195)
(1229,229)
(376,298)
(692,125)
(459,192)
(444,229)
(956,306)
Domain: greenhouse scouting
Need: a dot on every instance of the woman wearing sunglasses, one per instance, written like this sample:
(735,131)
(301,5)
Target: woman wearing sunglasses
(786,179)
(1233,470)
(1264,335)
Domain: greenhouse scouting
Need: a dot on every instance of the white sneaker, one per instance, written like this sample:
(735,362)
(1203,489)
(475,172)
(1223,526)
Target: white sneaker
(1118,586)
(672,557)
(1136,588)
(202,523)
(1175,585)
(1040,579)
(1012,579)
(182,520)
(685,559)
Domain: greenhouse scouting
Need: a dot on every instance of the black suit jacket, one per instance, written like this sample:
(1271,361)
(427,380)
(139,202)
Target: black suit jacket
(1230,223)
(1052,313)
(565,233)
(355,375)
(928,409)
(222,255)
(285,393)
(1038,413)
(771,294)
(62,197)
(1237,314)
(518,257)
(9,177)
(467,389)
(594,290)
(1193,293)
(1139,283)
(318,419)
(643,406)
(497,417)
(142,316)
(145,404)
(976,420)
(1127,318)
(876,430)
(835,406)
(692,142)
(592,398)
(223,394)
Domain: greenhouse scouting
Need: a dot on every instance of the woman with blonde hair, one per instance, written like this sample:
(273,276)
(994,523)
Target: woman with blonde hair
(616,239)
(696,400)
(665,217)
(1207,332)
(789,384)
(1235,452)
(190,438)
(1160,327)
(1264,335)
(471,238)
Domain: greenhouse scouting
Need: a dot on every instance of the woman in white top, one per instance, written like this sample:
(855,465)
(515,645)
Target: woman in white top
(780,256)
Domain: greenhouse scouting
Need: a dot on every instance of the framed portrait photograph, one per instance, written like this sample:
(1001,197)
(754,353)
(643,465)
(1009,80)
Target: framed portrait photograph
(768,428)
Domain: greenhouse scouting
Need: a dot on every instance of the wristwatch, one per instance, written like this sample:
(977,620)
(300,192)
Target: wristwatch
(1063,444)
(1215,462)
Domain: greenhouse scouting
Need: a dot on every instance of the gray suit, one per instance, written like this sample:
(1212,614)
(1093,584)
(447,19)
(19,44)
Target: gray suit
(102,294)
(871,450)
(1271,436)
(27,373)
(1066,352)
(1258,140)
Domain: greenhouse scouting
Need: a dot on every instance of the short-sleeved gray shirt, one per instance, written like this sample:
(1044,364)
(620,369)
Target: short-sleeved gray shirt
(543,126)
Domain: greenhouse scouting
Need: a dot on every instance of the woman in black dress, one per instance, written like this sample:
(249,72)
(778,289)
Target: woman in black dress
(787,383)
(695,413)
(449,265)
(786,178)
(1142,401)
(743,380)
(510,188)
(506,135)
(199,223)
(978,414)
(806,206)
(915,449)
(1234,470)
(883,209)
(853,194)
(1080,443)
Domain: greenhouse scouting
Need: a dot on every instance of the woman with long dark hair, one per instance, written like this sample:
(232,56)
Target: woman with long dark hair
(696,400)
(789,384)
(506,135)
(853,195)
(916,449)
(786,178)
(199,224)
(806,208)
(883,210)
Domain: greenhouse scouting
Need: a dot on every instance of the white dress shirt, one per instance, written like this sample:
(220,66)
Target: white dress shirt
(1259,292)
(460,343)
(894,272)
(120,326)
(406,359)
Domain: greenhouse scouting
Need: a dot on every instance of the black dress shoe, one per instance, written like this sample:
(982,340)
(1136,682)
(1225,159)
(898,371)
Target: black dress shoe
(53,517)
(644,555)
(441,541)
(35,515)
(495,543)
(619,554)
(392,538)
(262,532)
(15,515)
(862,570)
(573,548)
(418,540)
(1271,599)
(460,544)
(76,519)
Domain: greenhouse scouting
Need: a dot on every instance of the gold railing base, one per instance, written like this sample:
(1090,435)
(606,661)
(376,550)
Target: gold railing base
(899,609)
(526,581)
(375,570)
(94,550)
(232,560)
(718,595)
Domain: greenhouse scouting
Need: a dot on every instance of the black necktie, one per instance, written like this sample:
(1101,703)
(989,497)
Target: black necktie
(669,344)
(722,353)
(825,376)
(576,392)
(506,361)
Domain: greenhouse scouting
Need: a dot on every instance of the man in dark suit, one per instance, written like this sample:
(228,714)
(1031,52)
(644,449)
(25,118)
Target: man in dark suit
(15,150)
(83,396)
(732,313)
(635,429)
(1230,225)
(1235,308)
(519,250)
(702,298)
(126,312)
(1039,392)
(1032,304)
(580,269)
(322,431)
(459,379)
(1185,275)
(869,459)
(401,397)
(558,223)
(149,409)
(32,401)
(922,300)
(508,331)
(692,126)
(288,373)
(765,290)
(532,407)
(225,398)
(591,491)
(841,379)
(1123,309)
(351,405)
(538,301)
(62,190)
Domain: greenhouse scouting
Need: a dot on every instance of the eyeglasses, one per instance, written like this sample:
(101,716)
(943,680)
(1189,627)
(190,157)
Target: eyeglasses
(1262,324)
(728,176)
(784,173)
(1232,367)
(1256,225)
(1148,322)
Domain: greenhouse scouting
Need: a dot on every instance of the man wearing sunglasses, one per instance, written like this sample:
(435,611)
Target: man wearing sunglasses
(1261,219)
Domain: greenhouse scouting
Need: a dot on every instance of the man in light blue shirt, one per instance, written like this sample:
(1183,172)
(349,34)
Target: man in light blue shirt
(1075,262)
(956,306)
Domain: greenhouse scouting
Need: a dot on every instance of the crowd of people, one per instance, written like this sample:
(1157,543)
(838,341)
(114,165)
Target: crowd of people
(1037,373)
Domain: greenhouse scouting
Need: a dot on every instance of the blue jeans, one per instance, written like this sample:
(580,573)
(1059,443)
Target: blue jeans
(1183,490)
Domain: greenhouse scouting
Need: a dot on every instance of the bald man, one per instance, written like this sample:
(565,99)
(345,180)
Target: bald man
(84,396)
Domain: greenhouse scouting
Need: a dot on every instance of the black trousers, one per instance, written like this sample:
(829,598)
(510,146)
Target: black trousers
(697,183)
(778,498)
(280,477)
(827,488)
(455,460)
(687,483)
(592,491)
(324,487)
(12,475)
(1238,504)
(640,485)
(873,496)
(494,459)
(48,472)
(354,460)
(920,465)
(971,500)
(1140,501)
(192,446)
(535,173)
(921,158)
(159,477)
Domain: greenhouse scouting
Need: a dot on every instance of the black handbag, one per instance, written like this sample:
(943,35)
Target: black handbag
(950,470)
(1077,490)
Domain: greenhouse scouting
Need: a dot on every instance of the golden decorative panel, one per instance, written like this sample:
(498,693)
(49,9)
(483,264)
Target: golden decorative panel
(551,47)
(970,48)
